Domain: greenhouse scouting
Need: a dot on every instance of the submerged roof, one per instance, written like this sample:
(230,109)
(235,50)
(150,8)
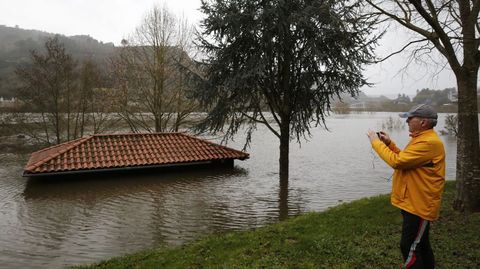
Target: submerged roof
(97,152)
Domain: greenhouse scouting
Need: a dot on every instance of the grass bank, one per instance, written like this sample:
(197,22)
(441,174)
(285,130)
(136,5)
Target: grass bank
(361,234)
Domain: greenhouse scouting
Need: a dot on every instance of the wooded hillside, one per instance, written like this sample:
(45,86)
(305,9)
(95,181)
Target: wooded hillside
(16,44)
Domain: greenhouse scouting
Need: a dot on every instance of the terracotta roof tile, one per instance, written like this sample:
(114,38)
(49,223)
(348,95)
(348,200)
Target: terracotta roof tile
(127,150)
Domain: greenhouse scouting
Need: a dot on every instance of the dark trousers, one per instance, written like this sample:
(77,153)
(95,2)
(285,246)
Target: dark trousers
(415,242)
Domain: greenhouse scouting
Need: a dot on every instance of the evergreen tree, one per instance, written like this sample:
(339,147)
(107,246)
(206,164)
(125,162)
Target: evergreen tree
(279,63)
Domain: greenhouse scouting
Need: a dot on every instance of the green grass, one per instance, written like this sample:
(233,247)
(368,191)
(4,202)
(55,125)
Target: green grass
(361,234)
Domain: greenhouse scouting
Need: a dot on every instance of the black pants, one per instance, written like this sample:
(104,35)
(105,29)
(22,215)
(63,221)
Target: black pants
(415,242)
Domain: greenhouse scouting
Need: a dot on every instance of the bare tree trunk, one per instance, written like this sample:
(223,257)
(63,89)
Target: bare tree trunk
(56,115)
(157,113)
(468,149)
(45,127)
(178,121)
(76,125)
(68,108)
(284,152)
(82,121)
(468,157)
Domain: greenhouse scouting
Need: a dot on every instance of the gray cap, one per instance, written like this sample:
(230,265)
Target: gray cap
(422,111)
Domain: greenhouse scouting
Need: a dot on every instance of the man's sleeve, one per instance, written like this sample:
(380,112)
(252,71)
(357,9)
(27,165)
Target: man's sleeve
(415,155)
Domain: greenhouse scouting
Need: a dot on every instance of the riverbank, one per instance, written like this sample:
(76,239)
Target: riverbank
(361,234)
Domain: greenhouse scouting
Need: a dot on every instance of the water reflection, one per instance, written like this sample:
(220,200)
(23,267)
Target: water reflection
(63,221)
(93,188)
(80,217)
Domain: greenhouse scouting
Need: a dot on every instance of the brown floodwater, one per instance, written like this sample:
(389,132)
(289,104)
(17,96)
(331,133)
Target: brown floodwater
(54,223)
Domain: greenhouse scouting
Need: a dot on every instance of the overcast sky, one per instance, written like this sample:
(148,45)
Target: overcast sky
(112,20)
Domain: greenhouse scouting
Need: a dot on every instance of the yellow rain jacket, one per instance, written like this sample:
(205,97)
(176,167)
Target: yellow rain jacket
(419,176)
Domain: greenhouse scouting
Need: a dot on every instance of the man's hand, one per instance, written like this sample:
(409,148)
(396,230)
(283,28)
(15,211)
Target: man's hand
(384,137)
(372,136)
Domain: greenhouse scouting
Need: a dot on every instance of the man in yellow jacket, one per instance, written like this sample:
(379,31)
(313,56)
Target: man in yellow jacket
(418,181)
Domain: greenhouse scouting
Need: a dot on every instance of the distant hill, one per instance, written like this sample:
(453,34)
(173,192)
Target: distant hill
(360,98)
(16,44)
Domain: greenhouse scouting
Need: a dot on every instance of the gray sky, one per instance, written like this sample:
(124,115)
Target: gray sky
(112,20)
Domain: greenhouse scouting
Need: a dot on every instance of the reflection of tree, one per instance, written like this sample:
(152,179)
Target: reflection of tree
(93,189)
(283,201)
(196,207)
(138,209)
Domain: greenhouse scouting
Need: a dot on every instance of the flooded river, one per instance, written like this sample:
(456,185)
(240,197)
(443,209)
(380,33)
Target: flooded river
(80,220)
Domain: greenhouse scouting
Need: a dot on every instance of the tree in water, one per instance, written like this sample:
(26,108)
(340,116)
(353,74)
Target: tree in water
(450,28)
(63,96)
(48,87)
(280,63)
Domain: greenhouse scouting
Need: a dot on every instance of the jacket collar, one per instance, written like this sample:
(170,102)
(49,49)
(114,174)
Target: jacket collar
(417,134)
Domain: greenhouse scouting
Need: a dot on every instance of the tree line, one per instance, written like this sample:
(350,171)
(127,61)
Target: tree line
(443,100)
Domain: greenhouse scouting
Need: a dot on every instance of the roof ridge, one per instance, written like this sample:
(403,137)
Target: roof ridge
(72,143)
(215,144)
(173,133)
(122,134)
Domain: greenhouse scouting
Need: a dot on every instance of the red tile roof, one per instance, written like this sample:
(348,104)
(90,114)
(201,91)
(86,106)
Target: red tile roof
(97,152)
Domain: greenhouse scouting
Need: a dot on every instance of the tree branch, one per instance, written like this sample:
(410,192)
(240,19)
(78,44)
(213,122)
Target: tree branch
(446,49)
(400,50)
(268,124)
(264,122)
(475,12)
(475,9)
(404,22)
(432,10)
(407,15)
(270,103)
